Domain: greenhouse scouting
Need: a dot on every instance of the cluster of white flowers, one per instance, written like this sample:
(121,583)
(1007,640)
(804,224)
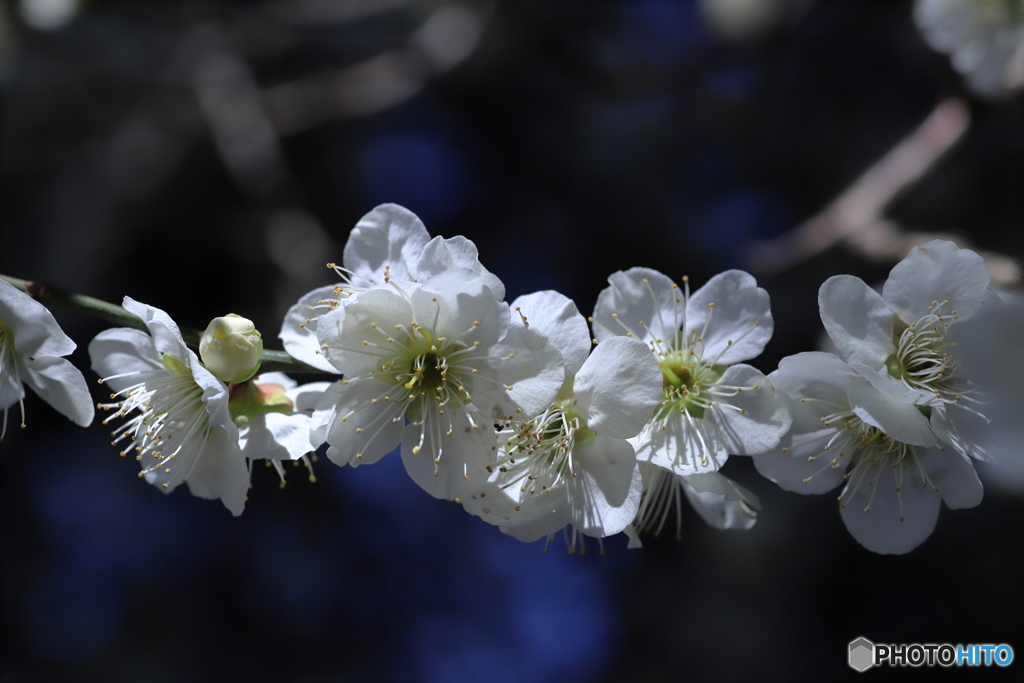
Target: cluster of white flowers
(535,421)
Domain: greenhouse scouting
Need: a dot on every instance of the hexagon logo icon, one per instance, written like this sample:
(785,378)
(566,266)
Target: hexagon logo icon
(862,654)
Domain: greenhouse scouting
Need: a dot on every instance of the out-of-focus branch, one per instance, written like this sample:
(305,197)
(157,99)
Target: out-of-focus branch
(51,297)
(857,215)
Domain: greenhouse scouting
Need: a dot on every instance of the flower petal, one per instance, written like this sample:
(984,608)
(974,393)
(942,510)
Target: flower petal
(276,436)
(900,421)
(371,318)
(462,458)
(36,332)
(954,475)
(739,323)
(858,321)
(220,471)
(725,510)
(389,235)
(463,305)
(937,271)
(604,494)
(881,530)
(124,350)
(682,444)
(558,318)
(752,420)
(166,335)
(298,331)
(441,255)
(365,427)
(62,385)
(634,296)
(531,364)
(618,387)
(895,389)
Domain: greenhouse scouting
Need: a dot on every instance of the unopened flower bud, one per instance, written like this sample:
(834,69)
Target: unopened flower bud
(231,348)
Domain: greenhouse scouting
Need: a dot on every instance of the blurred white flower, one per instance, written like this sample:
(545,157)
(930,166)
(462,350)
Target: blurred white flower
(989,350)
(31,346)
(182,430)
(712,405)
(443,355)
(388,243)
(572,465)
(984,39)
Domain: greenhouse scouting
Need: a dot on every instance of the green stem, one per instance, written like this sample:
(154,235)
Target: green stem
(50,296)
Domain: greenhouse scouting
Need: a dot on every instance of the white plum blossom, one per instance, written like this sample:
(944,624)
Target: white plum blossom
(182,430)
(712,404)
(899,342)
(892,487)
(572,463)
(441,355)
(892,415)
(389,242)
(31,348)
(984,39)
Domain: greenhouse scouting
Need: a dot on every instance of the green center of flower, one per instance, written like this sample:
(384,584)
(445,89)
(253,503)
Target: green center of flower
(427,369)
(682,376)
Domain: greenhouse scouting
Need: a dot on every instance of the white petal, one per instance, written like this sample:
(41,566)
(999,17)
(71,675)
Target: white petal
(461,304)
(741,315)
(276,436)
(604,496)
(857,319)
(220,472)
(390,235)
(936,271)
(793,471)
(954,475)
(558,318)
(717,509)
(298,331)
(901,421)
(538,528)
(682,444)
(60,384)
(765,416)
(634,301)
(463,457)
(441,255)
(814,375)
(324,412)
(306,397)
(363,432)
(36,332)
(895,389)
(371,318)
(527,361)
(881,530)
(618,387)
(166,335)
(124,350)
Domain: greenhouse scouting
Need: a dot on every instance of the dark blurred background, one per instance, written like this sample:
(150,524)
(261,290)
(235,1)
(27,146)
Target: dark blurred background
(211,157)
